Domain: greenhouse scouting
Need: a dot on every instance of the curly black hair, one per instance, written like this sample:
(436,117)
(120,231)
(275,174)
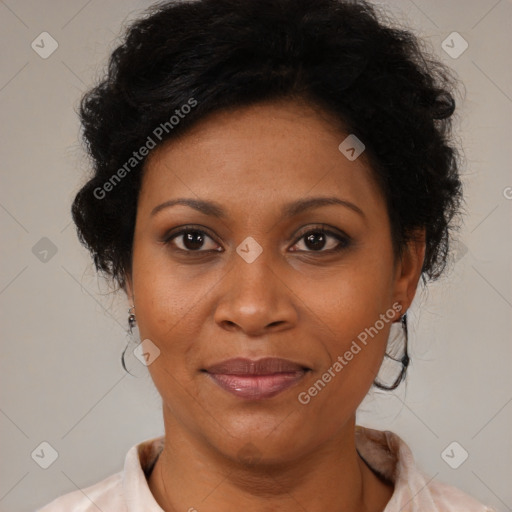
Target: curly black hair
(181,61)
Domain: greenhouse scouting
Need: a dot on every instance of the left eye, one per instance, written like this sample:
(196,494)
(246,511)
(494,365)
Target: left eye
(315,240)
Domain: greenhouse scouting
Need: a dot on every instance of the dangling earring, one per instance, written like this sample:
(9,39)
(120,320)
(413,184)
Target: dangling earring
(400,332)
(146,352)
(131,318)
(132,335)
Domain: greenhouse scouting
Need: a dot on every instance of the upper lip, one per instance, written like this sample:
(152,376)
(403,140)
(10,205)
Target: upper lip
(264,366)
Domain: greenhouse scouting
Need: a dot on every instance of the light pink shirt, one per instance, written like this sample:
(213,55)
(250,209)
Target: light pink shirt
(384,451)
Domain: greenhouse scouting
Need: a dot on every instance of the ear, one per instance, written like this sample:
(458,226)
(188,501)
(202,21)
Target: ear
(408,270)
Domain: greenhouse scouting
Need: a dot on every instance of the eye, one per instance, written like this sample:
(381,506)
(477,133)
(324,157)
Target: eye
(316,239)
(190,239)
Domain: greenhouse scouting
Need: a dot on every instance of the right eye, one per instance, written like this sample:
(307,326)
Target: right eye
(189,239)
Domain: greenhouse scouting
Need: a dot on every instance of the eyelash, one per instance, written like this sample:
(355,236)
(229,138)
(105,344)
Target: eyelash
(344,240)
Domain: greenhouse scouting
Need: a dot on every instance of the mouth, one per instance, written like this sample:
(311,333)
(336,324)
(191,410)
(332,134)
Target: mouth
(256,380)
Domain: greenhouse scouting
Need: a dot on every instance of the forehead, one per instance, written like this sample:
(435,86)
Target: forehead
(256,156)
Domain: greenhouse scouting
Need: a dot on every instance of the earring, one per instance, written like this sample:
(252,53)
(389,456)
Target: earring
(131,318)
(132,334)
(400,331)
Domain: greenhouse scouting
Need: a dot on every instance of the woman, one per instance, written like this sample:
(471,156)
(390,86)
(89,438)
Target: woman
(271,180)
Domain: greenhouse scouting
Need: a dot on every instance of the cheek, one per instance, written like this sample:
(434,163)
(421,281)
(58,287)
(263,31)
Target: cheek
(355,296)
(166,294)
(354,357)
(164,312)
(353,307)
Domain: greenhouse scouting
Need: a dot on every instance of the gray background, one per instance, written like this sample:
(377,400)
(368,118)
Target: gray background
(63,331)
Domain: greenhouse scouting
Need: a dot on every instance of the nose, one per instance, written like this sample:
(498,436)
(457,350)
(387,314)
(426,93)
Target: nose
(254,298)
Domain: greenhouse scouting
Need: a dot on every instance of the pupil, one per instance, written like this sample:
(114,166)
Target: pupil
(193,240)
(315,240)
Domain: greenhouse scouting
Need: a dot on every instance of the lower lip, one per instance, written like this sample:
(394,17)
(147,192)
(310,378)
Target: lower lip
(257,387)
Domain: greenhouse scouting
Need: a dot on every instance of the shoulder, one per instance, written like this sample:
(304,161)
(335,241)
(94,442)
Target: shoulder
(448,498)
(390,456)
(124,491)
(104,495)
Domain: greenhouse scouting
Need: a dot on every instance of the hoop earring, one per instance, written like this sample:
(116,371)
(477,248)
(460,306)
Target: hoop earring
(132,324)
(404,360)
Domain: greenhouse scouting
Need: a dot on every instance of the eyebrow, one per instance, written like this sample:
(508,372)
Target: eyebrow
(289,210)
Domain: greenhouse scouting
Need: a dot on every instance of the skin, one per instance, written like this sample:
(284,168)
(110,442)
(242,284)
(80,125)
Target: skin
(294,302)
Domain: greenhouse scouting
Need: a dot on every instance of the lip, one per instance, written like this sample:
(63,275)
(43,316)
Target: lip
(256,380)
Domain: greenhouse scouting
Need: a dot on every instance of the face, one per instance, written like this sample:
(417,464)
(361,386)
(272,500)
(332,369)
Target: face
(253,277)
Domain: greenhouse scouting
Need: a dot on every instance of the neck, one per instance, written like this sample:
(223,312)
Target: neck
(190,475)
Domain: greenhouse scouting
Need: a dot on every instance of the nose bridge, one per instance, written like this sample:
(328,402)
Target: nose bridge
(252,295)
(253,274)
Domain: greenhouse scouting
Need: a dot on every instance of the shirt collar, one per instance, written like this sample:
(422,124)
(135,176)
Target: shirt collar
(388,455)
(138,463)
